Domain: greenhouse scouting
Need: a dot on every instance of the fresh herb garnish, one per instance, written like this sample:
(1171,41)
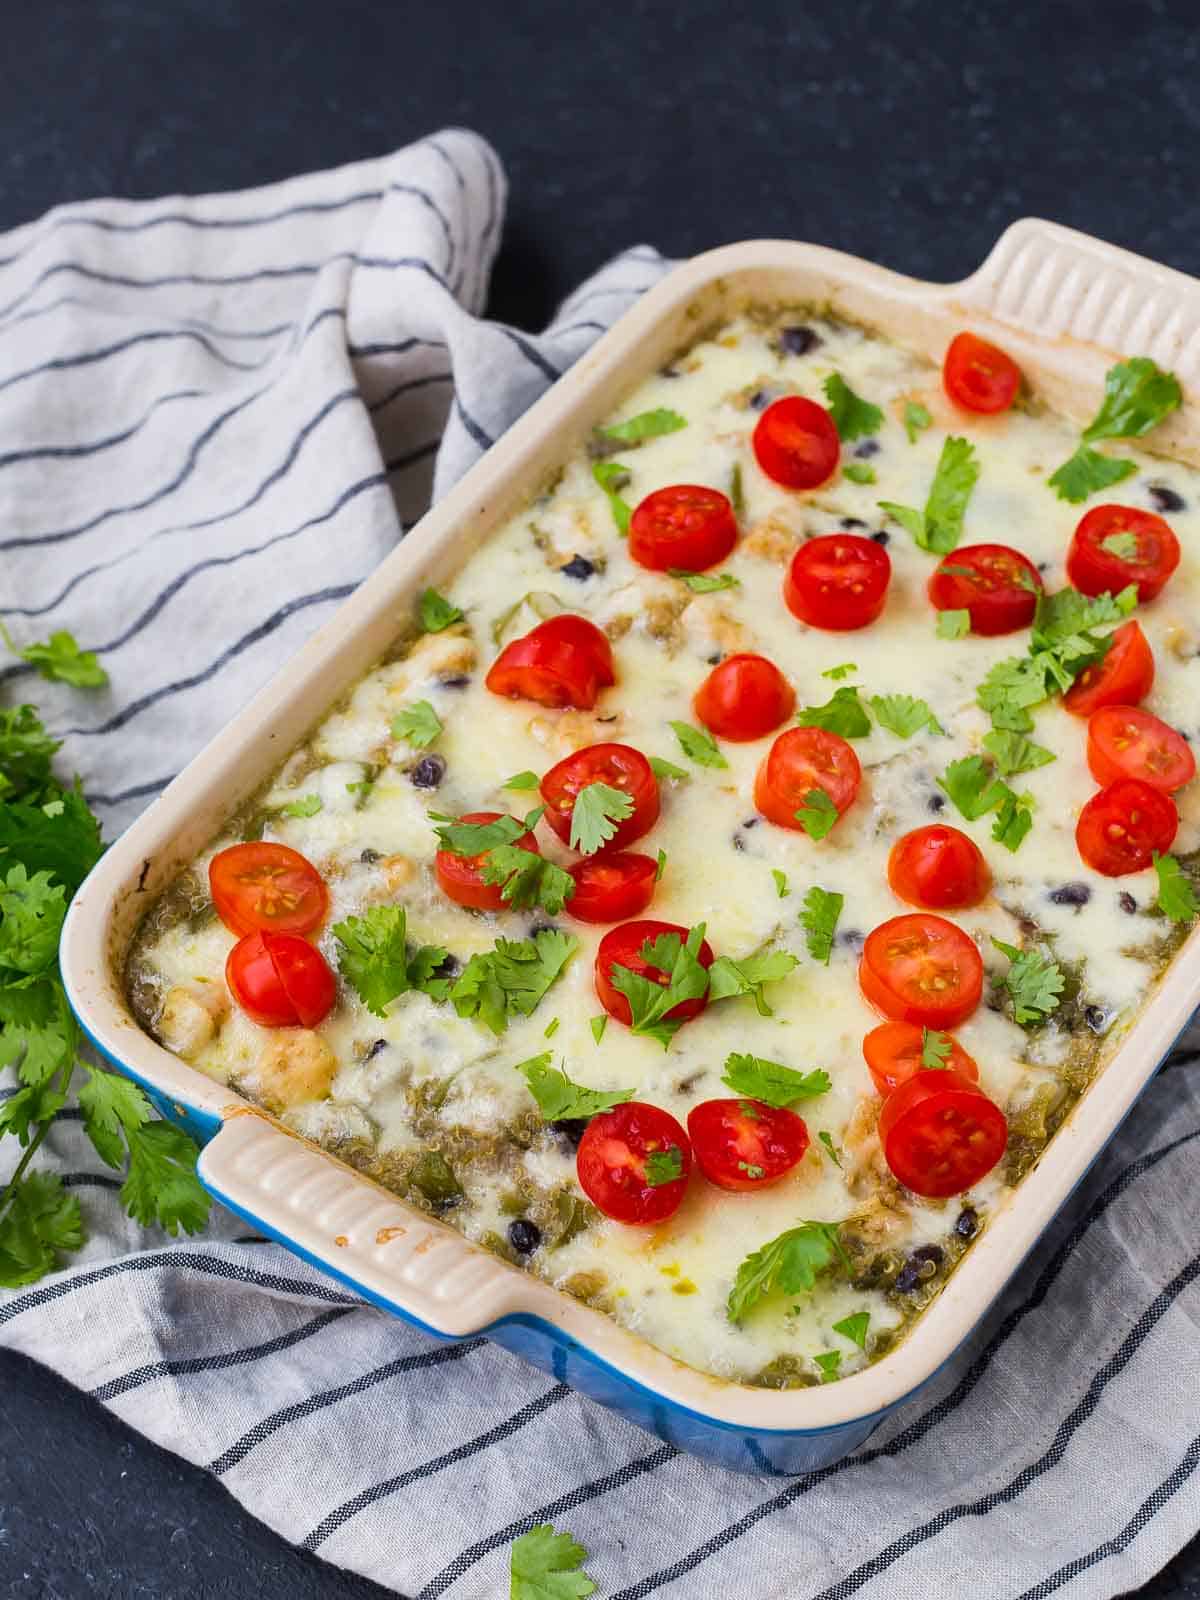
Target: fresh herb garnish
(477,838)
(829,1361)
(597,810)
(660,866)
(374,958)
(1137,396)
(521,780)
(1086,473)
(545,1565)
(663,1166)
(831,1150)
(1122,545)
(737,493)
(307,806)
(904,714)
(418,723)
(649,1002)
(436,612)
(1013,753)
(916,420)
(667,769)
(854,1328)
(558,1098)
(704,582)
(551,1027)
(512,978)
(788,1263)
(612,478)
(727,977)
(935,1048)
(817,814)
(859,472)
(1013,820)
(844,714)
(646,425)
(975,790)
(598,1025)
(527,878)
(1176,894)
(1034,983)
(843,670)
(772,1082)
(60,660)
(819,919)
(853,417)
(781,882)
(938,527)
(698,745)
(953,624)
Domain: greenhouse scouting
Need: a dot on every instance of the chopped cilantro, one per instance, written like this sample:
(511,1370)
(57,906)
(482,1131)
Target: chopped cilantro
(859,472)
(1013,753)
(512,978)
(418,723)
(819,919)
(916,419)
(788,1263)
(698,745)
(527,878)
(953,624)
(435,612)
(597,810)
(703,582)
(844,714)
(1013,820)
(1086,473)
(558,1098)
(853,417)
(972,787)
(646,425)
(1122,545)
(660,866)
(1138,394)
(373,957)
(831,1150)
(60,660)
(781,882)
(938,527)
(668,769)
(727,977)
(829,1361)
(1034,983)
(476,838)
(904,714)
(817,814)
(307,806)
(598,1025)
(1176,895)
(649,1002)
(772,1082)
(545,1565)
(663,1166)
(551,1027)
(854,1328)
(935,1047)
(843,670)
(521,780)
(612,478)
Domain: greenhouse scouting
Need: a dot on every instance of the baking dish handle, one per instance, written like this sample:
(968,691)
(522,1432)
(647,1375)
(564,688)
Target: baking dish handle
(391,1254)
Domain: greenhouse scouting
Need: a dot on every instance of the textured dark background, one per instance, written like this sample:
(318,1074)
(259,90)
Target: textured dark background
(907,131)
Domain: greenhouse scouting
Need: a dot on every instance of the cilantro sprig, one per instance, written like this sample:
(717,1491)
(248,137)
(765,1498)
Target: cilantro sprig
(677,960)
(511,979)
(938,527)
(819,919)
(435,612)
(853,417)
(975,791)
(844,714)
(595,815)
(817,814)
(698,745)
(1176,897)
(1034,982)
(727,978)
(1138,394)
(612,477)
(772,1082)
(60,660)
(546,1565)
(646,425)
(787,1264)
(375,960)
(558,1098)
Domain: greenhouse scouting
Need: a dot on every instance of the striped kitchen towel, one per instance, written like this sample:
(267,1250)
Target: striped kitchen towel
(216,416)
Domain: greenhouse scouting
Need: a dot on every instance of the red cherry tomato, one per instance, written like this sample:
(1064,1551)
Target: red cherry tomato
(267,886)
(461,877)
(796,443)
(280,980)
(938,868)
(1123,825)
(745,1144)
(618,765)
(893,1054)
(921,968)
(612,1166)
(744,697)
(1115,546)
(838,582)
(1125,676)
(612,886)
(979,376)
(686,526)
(801,760)
(1126,742)
(622,947)
(564,661)
(940,1134)
(997,585)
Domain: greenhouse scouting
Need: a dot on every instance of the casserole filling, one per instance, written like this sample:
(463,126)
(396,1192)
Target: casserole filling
(790,1237)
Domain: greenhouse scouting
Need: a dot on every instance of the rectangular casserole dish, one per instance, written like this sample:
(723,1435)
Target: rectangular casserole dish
(1065,306)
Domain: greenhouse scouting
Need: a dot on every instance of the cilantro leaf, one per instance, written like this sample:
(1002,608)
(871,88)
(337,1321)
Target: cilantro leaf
(649,1002)
(698,745)
(909,517)
(854,1328)
(1122,545)
(1176,894)
(829,1361)
(111,1106)
(660,866)
(38,1034)
(817,814)
(853,417)
(42,1219)
(522,780)
(24,1112)
(60,660)
(859,472)
(1138,394)
(436,612)
(373,956)
(528,878)
(25,752)
(668,769)
(1013,754)
(162,1186)
(598,1025)
(307,806)
(31,917)
(788,1263)
(1034,983)
(772,1082)
(557,1097)
(904,714)
(843,670)
(705,583)
(64,841)
(727,978)
(939,527)
(663,1166)
(916,419)
(1011,689)
(545,1565)
(953,624)
(1086,473)
(418,723)
(781,882)
(831,1149)
(646,425)
(1064,620)
(612,478)
(1013,820)
(819,919)
(844,714)
(935,1047)
(737,493)
(597,810)
(476,838)
(971,786)
(512,978)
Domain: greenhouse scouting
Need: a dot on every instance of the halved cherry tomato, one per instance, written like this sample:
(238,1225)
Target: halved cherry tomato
(940,1134)
(997,585)
(564,661)
(1115,546)
(801,760)
(685,526)
(612,1169)
(1126,742)
(744,697)
(796,443)
(745,1144)
(280,980)
(838,582)
(1122,678)
(612,886)
(938,868)
(618,765)
(893,1054)
(1122,826)
(921,968)
(461,877)
(979,376)
(622,947)
(268,886)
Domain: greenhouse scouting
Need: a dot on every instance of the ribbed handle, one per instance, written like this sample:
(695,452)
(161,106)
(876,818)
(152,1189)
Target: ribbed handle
(393,1254)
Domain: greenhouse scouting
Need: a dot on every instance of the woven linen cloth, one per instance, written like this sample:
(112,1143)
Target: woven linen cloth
(216,416)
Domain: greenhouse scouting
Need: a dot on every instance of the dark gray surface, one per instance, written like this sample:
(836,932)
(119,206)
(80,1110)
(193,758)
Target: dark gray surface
(902,130)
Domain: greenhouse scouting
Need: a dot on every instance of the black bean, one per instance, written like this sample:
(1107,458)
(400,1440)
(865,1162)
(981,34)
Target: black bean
(852,938)
(572,1129)
(759,400)
(428,772)
(524,1236)
(798,341)
(1070,894)
(936,802)
(738,842)
(882,537)
(669,371)
(1165,499)
(853,522)
(1126,902)
(869,447)
(714,660)
(968,1223)
(751,822)
(370,857)
(456,680)
(578,567)
(379,1044)
(928,1252)
(1096,1018)
(908,1278)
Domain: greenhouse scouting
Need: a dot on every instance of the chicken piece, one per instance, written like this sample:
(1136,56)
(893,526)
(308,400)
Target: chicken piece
(709,624)
(771,539)
(398,870)
(573,730)
(444,654)
(188,1021)
(294,1066)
